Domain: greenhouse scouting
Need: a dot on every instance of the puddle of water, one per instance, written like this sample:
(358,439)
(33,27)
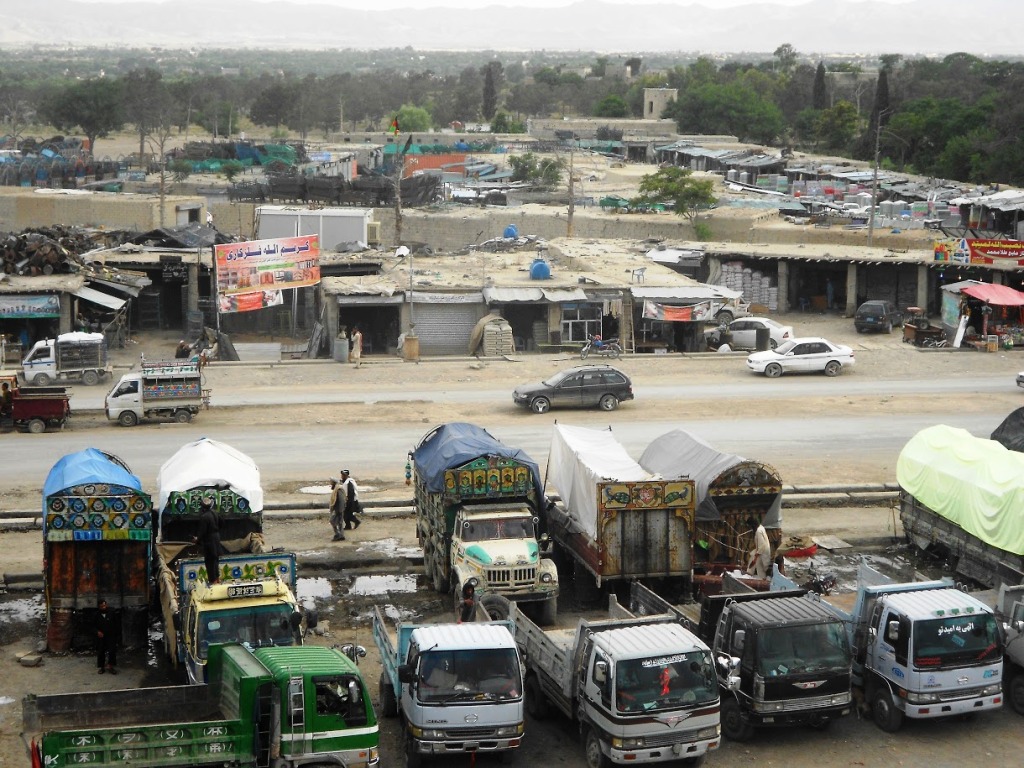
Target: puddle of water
(325,490)
(390,547)
(896,563)
(313,587)
(394,613)
(23,609)
(6,700)
(382,585)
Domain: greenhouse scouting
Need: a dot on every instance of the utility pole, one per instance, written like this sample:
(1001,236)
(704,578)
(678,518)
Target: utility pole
(874,181)
(572,187)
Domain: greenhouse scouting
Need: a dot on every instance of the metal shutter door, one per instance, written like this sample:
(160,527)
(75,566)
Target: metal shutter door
(444,329)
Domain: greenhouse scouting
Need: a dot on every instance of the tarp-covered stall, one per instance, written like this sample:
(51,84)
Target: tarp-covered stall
(964,495)
(729,490)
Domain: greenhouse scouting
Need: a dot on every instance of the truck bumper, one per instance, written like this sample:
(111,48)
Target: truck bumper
(523,597)
(682,750)
(959,707)
(803,717)
(448,747)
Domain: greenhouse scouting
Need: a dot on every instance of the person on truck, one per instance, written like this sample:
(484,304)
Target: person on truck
(761,554)
(208,537)
(106,639)
(6,400)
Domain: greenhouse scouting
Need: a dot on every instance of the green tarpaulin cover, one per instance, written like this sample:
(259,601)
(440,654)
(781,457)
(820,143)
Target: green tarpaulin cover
(970,481)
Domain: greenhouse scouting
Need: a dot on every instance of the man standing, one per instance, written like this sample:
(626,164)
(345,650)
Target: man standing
(356,351)
(467,606)
(208,538)
(761,555)
(106,641)
(351,494)
(337,508)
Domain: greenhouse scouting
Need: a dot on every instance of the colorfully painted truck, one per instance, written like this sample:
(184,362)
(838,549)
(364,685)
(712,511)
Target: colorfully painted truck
(97,543)
(254,601)
(615,521)
(921,649)
(280,707)
(961,497)
(477,515)
(640,689)
(458,688)
(157,390)
(71,356)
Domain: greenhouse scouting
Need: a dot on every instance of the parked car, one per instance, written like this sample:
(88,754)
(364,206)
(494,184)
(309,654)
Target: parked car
(877,315)
(799,355)
(744,333)
(581,387)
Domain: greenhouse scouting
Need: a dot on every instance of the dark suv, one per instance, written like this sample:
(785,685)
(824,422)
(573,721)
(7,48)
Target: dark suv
(877,315)
(580,387)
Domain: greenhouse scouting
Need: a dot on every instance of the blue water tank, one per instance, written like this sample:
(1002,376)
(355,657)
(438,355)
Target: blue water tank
(511,231)
(540,270)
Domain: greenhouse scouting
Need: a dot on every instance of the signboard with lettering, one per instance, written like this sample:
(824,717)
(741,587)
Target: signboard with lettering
(979,251)
(251,275)
(174,270)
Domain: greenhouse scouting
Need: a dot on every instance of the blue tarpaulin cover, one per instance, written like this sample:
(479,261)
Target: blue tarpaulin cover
(452,445)
(88,466)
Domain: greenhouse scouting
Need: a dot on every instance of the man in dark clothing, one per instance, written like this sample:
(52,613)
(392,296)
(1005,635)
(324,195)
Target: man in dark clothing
(106,640)
(348,485)
(209,539)
(467,607)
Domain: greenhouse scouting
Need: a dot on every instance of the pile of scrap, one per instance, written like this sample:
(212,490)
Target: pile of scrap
(43,251)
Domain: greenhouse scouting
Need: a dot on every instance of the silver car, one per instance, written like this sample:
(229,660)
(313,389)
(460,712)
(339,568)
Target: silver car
(802,355)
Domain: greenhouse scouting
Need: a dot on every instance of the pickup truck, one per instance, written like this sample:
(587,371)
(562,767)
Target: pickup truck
(285,707)
(457,687)
(158,390)
(640,689)
(71,356)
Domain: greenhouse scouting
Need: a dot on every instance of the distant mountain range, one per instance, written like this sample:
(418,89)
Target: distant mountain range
(933,27)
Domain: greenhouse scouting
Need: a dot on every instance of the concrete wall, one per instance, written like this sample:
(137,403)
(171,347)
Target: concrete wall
(22,208)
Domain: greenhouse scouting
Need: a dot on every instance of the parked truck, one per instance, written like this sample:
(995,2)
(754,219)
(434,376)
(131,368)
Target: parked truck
(920,649)
(254,601)
(614,520)
(97,543)
(458,688)
(640,689)
(157,390)
(477,514)
(1010,608)
(281,707)
(36,409)
(74,356)
(960,498)
(789,652)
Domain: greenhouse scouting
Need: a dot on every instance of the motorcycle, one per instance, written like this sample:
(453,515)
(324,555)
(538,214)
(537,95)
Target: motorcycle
(598,346)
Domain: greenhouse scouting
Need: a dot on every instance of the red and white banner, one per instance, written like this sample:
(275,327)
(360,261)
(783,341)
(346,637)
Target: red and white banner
(250,273)
(669,314)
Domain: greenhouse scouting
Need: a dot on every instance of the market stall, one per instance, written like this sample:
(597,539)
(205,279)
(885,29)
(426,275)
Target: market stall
(991,315)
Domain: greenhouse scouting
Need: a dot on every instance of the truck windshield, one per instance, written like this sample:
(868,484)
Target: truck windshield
(488,530)
(490,674)
(667,682)
(957,640)
(258,626)
(808,648)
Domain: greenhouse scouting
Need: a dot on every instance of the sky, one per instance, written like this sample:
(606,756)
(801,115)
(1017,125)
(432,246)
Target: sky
(391,4)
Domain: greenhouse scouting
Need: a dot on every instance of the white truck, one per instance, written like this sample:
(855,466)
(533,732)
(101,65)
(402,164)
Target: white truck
(640,689)
(1011,609)
(71,356)
(157,390)
(921,649)
(457,687)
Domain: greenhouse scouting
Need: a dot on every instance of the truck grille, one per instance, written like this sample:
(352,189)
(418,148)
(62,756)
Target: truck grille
(525,576)
(814,702)
(961,693)
(668,739)
(470,734)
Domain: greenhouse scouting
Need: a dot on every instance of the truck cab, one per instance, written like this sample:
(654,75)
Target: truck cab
(496,549)
(257,614)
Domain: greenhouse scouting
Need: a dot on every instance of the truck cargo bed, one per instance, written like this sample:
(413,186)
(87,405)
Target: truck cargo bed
(131,707)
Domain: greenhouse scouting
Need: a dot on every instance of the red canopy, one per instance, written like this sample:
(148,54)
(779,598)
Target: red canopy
(1000,295)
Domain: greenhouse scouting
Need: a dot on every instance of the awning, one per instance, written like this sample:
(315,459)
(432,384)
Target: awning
(1000,295)
(557,295)
(429,297)
(131,290)
(98,297)
(694,293)
(507,295)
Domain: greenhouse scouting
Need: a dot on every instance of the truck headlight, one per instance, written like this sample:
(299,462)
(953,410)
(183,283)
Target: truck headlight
(545,577)
(636,743)
(922,698)
(509,731)
(374,757)
(992,690)
(711,732)
(473,581)
(431,733)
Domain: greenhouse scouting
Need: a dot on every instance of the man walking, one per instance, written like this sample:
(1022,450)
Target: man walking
(106,640)
(337,507)
(351,492)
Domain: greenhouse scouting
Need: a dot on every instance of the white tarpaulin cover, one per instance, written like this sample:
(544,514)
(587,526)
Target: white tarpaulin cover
(579,459)
(208,463)
(974,483)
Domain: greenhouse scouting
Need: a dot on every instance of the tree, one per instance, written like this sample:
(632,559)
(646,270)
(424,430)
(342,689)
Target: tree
(819,99)
(543,172)
(732,109)
(612,105)
(492,86)
(275,105)
(503,123)
(837,125)
(785,55)
(91,106)
(146,102)
(675,185)
(412,118)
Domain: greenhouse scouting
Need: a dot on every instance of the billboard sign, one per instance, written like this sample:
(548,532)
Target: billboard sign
(266,266)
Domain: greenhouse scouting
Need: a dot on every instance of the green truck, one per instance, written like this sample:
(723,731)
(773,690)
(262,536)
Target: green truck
(270,706)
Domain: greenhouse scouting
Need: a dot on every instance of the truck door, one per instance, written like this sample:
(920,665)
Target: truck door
(125,395)
(892,646)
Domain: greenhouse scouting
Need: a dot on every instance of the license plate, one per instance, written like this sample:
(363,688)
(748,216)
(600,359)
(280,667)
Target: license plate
(245,590)
(870,319)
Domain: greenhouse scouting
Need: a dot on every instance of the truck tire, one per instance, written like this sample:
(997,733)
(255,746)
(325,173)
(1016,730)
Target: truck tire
(388,702)
(36,426)
(182,416)
(548,612)
(497,606)
(592,751)
(127,419)
(735,726)
(536,702)
(41,379)
(1015,693)
(884,711)
(90,378)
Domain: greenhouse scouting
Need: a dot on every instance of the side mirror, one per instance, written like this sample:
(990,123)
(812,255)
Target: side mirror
(406,674)
(893,630)
(733,683)
(738,639)
(355,693)
(601,671)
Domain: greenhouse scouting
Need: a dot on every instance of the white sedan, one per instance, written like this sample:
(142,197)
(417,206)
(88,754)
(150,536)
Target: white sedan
(799,355)
(744,333)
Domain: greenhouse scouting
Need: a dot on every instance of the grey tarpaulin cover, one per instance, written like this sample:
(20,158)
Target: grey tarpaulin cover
(678,454)
(1010,434)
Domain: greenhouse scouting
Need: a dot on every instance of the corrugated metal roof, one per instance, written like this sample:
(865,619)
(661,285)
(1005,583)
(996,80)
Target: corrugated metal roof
(646,640)
(936,603)
(452,637)
(493,295)
(40,283)
(781,609)
(699,292)
(307,659)
(564,294)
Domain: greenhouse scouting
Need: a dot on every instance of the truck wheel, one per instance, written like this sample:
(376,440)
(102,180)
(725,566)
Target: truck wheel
(592,750)
(549,612)
(90,378)
(497,606)
(127,419)
(41,379)
(536,702)
(734,726)
(388,702)
(36,426)
(1017,693)
(883,709)
(182,416)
